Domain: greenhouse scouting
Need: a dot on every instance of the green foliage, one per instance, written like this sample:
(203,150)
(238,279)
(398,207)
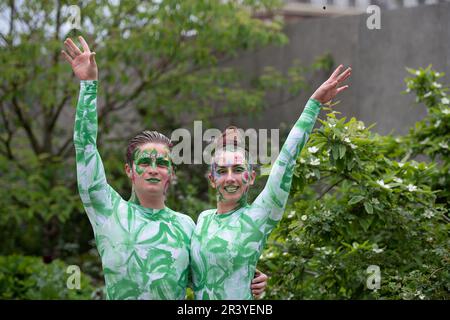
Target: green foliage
(358,199)
(23,277)
(161,65)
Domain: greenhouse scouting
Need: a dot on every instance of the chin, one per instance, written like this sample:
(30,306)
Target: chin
(233,198)
(154,187)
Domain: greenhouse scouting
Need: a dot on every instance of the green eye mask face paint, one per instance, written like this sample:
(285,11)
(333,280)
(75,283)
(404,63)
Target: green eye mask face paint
(146,158)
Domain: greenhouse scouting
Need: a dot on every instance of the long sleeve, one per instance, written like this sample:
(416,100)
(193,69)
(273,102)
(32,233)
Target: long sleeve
(97,196)
(271,202)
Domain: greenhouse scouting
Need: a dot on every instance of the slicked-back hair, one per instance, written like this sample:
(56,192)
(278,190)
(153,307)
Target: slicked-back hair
(142,138)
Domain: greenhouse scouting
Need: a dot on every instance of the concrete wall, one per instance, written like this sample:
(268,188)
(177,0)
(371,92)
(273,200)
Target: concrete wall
(409,37)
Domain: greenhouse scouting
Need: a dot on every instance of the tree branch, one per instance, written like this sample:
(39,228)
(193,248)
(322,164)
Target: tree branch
(62,149)
(329,188)
(55,115)
(26,125)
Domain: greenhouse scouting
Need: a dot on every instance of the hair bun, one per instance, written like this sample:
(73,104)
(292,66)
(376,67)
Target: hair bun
(231,136)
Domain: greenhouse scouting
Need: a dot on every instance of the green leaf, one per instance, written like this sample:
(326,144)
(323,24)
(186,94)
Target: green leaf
(356,199)
(365,223)
(368,207)
(335,151)
(342,150)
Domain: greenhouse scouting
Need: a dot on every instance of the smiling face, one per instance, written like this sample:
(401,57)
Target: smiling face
(231,176)
(151,170)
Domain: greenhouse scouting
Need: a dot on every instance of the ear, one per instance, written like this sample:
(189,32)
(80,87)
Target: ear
(212,181)
(252,177)
(128,171)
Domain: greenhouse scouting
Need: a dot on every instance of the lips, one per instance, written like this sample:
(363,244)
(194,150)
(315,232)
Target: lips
(153,180)
(231,189)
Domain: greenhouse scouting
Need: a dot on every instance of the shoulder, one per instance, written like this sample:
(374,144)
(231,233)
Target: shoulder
(184,219)
(206,214)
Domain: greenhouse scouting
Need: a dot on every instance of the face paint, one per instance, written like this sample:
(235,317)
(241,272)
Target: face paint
(231,174)
(146,158)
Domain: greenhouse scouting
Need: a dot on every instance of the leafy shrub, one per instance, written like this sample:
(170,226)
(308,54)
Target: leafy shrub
(360,200)
(26,277)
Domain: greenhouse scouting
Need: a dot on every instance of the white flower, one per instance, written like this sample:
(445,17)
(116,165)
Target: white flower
(443,145)
(347,140)
(376,249)
(445,100)
(309,174)
(428,213)
(437,85)
(291,214)
(425,141)
(437,123)
(446,111)
(381,184)
(426,95)
(437,74)
(417,73)
(398,180)
(332,125)
(353,146)
(313,149)
(422,296)
(315,162)
(361,127)
(375,201)
(285,253)
(302,160)
(411,187)
(408,90)
(400,164)
(304,217)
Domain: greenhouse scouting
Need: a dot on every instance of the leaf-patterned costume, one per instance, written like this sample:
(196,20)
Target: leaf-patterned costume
(226,247)
(144,252)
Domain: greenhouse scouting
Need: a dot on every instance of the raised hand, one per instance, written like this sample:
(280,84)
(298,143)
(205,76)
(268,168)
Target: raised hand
(83,63)
(330,88)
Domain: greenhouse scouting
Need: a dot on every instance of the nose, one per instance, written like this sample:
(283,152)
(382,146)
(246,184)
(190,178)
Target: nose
(152,170)
(230,175)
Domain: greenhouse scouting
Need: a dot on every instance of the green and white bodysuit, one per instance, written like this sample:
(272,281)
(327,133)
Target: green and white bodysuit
(144,252)
(226,247)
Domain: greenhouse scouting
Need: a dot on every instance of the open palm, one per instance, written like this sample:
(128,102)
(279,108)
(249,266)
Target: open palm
(83,63)
(330,88)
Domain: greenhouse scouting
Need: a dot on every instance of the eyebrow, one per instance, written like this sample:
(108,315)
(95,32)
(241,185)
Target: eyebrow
(233,166)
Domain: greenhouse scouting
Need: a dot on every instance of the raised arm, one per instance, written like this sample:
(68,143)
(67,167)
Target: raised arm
(272,200)
(97,196)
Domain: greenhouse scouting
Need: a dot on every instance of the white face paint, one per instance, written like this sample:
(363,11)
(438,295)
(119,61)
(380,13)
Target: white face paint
(230,176)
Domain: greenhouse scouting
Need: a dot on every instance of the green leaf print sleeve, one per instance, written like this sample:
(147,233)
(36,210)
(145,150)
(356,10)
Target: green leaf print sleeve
(271,202)
(97,196)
